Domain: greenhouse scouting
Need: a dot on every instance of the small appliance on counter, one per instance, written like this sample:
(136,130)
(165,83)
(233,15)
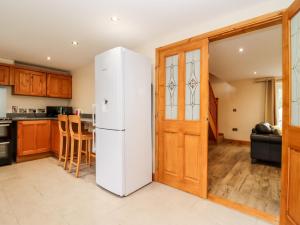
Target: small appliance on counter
(53,111)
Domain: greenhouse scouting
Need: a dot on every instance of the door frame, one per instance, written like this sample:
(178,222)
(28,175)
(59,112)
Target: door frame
(246,26)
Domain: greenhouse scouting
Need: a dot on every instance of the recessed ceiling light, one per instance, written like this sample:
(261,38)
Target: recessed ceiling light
(241,50)
(75,43)
(255,72)
(114,18)
(48,58)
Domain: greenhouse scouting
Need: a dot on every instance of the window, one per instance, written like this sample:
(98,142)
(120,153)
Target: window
(278,87)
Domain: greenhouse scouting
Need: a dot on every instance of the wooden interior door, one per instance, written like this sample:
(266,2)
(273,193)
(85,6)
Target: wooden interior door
(182,113)
(290,193)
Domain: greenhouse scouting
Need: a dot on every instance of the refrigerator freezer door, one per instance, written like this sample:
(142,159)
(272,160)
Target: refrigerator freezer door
(110,160)
(109,90)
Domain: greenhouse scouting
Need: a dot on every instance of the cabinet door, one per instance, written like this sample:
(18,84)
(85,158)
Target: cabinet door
(55,141)
(22,82)
(26,138)
(66,90)
(53,86)
(42,136)
(4,75)
(38,84)
(59,86)
(29,82)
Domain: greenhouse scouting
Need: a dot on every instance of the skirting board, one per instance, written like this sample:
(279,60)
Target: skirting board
(237,142)
(34,157)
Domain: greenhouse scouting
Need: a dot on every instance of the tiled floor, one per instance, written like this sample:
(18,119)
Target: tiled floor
(40,192)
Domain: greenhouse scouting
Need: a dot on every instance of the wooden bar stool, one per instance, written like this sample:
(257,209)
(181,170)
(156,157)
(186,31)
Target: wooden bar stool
(82,138)
(64,134)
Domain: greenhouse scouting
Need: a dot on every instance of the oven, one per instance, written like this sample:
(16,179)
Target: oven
(6,154)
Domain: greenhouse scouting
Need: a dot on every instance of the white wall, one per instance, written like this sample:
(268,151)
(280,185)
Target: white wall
(216,22)
(84,88)
(31,101)
(248,98)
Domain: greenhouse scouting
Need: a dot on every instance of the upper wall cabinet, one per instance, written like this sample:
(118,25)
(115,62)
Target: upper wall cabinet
(4,75)
(59,86)
(28,82)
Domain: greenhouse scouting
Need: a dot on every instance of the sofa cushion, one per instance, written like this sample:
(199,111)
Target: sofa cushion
(264,128)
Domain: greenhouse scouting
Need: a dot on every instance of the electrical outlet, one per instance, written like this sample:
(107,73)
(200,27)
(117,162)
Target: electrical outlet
(234,129)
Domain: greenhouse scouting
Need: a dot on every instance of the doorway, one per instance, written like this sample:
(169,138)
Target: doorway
(245,82)
(289,197)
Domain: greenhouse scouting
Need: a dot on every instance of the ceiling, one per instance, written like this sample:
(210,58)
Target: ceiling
(31,30)
(262,55)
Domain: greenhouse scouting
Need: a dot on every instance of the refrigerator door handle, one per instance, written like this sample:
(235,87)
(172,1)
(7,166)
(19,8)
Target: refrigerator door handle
(94,108)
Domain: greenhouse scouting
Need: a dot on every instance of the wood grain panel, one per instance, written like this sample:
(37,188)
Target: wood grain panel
(191,158)
(38,84)
(43,136)
(181,154)
(293,202)
(26,139)
(171,154)
(59,86)
(55,137)
(33,137)
(290,198)
(4,75)
(29,83)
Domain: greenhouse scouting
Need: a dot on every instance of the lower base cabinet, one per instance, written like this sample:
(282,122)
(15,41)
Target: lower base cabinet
(55,138)
(33,137)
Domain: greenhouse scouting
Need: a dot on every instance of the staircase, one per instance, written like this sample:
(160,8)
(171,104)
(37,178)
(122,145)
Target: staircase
(213,115)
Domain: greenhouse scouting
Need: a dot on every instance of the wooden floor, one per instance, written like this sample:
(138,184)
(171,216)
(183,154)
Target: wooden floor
(233,177)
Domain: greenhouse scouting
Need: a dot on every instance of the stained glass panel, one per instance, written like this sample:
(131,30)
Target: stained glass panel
(171,87)
(295,68)
(192,85)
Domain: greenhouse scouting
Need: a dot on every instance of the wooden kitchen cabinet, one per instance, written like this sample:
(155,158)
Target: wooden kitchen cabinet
(55,138)
(33,137)
(28,82)
(4,75)
(59,86)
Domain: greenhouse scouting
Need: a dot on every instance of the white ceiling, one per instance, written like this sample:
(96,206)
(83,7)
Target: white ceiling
(31,30)
(262,54)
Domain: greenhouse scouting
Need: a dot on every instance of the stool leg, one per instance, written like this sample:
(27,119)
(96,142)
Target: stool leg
(78,157)
(90,152)
(72,154)
(61,143)
(66,152)
(86,152)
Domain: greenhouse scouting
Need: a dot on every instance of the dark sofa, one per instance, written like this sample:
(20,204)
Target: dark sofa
(265,144)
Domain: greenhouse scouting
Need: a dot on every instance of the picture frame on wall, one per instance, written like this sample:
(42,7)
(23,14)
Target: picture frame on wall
(14,109)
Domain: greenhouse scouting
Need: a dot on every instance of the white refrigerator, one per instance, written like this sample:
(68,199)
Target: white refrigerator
(122,120)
